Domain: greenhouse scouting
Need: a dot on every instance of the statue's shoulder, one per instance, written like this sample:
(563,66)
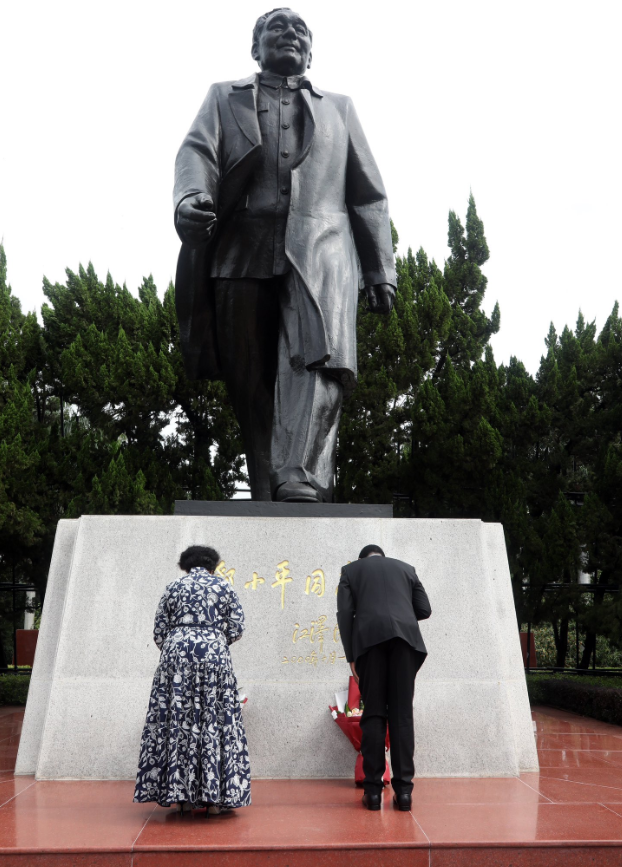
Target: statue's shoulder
(340,101)
(336,97)
(236,84)
(223,88)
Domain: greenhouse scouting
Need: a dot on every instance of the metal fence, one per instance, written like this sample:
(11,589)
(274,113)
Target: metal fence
(577,588)
(16,611)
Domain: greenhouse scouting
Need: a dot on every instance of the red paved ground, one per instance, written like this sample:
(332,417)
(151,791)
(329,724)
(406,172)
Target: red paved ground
(568,815)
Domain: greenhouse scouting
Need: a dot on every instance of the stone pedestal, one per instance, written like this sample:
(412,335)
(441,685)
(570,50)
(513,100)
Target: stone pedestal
(95,657)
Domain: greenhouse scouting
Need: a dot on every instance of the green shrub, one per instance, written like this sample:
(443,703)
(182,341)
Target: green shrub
(596,697)
(607,655)
(14,688)
(535,689)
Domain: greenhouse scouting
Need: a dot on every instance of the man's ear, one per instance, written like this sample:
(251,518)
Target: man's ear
(255,52)
(310,58)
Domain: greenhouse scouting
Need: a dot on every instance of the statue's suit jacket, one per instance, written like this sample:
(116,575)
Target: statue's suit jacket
(380,598)
(338,233)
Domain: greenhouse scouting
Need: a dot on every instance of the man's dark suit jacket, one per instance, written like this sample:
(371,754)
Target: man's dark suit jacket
(380,598)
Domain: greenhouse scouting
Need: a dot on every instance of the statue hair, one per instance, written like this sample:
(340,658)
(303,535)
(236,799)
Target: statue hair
(261,23)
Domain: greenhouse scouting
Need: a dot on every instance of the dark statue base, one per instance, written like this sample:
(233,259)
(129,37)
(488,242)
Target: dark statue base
(265,509)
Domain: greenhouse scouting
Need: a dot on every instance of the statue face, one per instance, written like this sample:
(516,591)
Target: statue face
(284,46)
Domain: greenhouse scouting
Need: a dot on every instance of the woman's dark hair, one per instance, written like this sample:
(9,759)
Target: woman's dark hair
(199,555)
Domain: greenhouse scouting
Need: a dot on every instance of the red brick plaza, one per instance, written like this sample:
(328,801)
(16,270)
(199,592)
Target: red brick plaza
(568,815)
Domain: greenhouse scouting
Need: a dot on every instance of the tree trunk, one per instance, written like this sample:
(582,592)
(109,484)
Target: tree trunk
(590,638)
(588,650)
(561,643)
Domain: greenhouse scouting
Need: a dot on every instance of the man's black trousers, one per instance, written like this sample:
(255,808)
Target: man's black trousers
(387,674)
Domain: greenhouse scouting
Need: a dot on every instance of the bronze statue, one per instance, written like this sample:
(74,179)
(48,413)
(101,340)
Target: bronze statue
(282,215)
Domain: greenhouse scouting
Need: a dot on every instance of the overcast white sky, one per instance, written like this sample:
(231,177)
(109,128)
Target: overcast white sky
(518,101)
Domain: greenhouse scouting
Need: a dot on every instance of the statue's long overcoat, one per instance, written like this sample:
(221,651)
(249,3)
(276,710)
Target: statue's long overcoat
(338,232)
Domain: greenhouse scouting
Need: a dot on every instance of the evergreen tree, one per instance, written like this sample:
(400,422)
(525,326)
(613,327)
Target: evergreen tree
(414,389)
(601,515)
(97,416)
(435,421)
(116,360)
(23,490)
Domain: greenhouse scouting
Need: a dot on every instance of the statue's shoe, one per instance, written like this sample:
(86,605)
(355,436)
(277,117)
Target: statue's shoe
(297,492)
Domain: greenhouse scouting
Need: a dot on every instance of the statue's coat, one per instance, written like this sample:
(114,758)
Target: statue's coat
(338,233)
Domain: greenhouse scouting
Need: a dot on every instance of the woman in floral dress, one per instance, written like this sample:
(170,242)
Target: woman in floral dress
(193,750)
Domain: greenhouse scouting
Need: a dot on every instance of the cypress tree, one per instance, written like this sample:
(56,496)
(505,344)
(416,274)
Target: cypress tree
(116,361)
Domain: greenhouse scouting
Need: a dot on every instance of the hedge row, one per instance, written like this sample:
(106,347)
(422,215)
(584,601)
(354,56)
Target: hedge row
(14,688)
(588,699)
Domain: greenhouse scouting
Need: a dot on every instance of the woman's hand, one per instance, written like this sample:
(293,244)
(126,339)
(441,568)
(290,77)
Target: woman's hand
(354,674)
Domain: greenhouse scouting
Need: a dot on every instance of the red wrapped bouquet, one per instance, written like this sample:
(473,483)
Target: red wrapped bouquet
(347,714)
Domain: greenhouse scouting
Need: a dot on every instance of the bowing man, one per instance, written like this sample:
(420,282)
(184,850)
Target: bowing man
(379,603)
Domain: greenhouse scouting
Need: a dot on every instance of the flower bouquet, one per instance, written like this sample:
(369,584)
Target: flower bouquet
(347,713)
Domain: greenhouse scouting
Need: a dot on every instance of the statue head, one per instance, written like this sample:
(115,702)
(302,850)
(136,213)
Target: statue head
(282,42)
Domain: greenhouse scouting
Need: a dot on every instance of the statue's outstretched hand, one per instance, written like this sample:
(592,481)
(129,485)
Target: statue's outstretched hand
(380,297)
(196,220)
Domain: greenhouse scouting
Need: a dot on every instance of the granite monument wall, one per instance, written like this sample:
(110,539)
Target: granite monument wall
(96,657)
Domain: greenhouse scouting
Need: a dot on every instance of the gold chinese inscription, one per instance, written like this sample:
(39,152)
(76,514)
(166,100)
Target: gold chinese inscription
(315,632)
(313,658)
(316,583)
(222,571)
(283,578)
(255,580)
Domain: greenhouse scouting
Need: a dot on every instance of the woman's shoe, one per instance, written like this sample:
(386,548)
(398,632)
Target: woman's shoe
(216,809)
(183,807)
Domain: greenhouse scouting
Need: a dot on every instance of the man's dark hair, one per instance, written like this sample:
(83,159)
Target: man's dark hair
(370,549)
(199,555)
(261,23)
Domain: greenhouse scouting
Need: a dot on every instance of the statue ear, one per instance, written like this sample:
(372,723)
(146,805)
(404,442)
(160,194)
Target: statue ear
(309,61)
(255,52)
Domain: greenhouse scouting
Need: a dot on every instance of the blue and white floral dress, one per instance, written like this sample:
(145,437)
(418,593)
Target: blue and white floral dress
(193,745)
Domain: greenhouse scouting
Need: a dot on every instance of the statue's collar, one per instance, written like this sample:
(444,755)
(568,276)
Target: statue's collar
(272,80)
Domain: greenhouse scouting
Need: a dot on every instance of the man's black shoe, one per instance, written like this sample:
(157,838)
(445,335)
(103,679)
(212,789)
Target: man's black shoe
(403,802)
(371,801)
